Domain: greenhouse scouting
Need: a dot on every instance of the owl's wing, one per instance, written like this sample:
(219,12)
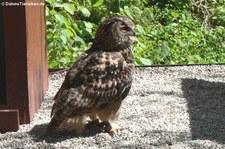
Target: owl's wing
(109,78)
(94,80)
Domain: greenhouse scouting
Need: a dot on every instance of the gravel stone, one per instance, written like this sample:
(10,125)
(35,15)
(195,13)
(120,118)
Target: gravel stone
(168,107)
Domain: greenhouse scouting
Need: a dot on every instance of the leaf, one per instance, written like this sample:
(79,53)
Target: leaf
(222,10)
(85,12)
(88,25)
(63,38)
(50,1)
(48,23)
(47,11)
(60,18)
(69,8)
(79,39)
(66,33)
(53,12)
(96,3)
(165,49)
(175,15)
(181,43)
(128,12)
(64,20)
(145,61)
(58,5)
(140,30)
(197,57)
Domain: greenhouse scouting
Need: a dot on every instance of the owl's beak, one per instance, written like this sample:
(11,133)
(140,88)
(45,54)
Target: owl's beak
(132,36)
(133,33)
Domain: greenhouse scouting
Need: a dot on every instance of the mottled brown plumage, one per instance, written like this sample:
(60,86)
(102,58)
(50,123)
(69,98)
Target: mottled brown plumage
(99,79)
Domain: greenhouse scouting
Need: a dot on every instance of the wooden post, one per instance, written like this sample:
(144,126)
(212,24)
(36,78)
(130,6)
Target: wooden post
(25,71)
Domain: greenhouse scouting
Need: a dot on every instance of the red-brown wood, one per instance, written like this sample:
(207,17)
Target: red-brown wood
(9,120)
(37,58)
(26,68)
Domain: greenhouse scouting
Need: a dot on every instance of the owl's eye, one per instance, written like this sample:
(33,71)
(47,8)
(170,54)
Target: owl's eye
(124,28)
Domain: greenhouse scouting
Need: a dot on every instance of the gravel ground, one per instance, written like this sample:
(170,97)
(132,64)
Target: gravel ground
(168,107)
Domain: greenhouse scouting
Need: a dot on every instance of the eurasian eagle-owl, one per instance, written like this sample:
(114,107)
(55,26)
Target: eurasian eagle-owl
(99,79)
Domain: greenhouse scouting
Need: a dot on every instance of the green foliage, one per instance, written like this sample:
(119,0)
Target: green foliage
(168,31)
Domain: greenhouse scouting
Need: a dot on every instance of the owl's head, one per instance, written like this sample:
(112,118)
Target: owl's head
(115,33)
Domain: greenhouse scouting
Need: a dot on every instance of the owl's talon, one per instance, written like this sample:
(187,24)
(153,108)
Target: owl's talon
(112,129)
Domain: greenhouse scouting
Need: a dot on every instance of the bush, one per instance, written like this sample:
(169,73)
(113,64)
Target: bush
(168,31)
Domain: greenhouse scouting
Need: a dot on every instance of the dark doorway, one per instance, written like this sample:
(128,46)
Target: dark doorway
(2,62)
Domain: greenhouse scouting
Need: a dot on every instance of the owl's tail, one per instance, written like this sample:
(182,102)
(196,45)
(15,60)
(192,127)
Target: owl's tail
(53,125)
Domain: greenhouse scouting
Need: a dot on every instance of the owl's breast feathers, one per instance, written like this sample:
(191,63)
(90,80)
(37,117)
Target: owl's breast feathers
(95,80)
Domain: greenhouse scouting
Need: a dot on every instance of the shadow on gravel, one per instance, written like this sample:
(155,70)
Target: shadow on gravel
(38,133)
(206,107)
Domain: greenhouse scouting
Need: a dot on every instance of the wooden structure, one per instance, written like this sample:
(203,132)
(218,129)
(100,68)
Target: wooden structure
(23,62)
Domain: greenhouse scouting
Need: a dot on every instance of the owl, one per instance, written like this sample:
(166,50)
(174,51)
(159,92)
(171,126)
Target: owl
(99,80)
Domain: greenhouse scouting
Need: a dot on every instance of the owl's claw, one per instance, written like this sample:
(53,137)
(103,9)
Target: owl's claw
(111,129)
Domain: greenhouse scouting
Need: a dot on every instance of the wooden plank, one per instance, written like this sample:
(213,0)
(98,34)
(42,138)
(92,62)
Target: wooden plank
(9,120)
(37,58)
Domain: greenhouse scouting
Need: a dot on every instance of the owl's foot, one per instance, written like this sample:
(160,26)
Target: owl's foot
(112,129)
